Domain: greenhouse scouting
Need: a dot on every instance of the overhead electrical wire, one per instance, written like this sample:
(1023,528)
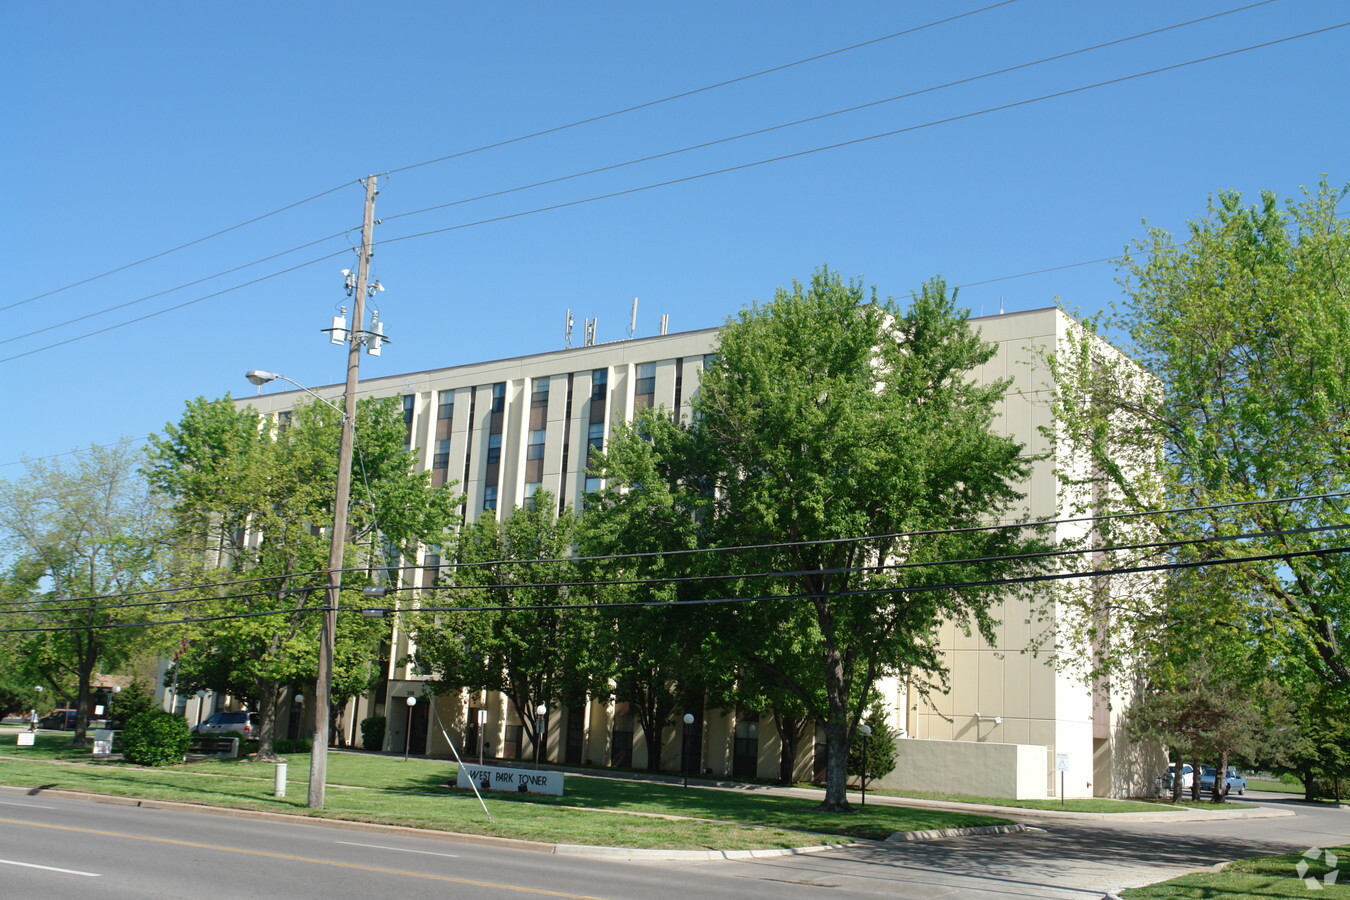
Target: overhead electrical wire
(816,118)
(689,93)
(515,140)
(698,176)
(861,140)
(163,253)
(176,288)
(691,579)
(726,601)
(650,158)
(28,606)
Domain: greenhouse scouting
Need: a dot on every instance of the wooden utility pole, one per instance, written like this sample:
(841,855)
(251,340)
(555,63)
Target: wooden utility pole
(323,688)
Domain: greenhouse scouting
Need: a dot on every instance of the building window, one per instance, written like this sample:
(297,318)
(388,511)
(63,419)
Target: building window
(595,436)
(498,397)
(592,484)
(431,566)
(539,396)
(446,410)
(644,393)
(599,382)
(490,497)
(442,458)
(409,404)
(494,451)
(535,449)
(745,753)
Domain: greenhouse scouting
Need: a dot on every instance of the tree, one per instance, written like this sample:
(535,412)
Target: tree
(872,756)
(84,535)
(510,578)
(1243,334)
(250,498)
(846,440)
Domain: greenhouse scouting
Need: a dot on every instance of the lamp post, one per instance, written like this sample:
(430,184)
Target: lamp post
(407,727)
(482,733)
(540,720)
(866,731)
(688,720)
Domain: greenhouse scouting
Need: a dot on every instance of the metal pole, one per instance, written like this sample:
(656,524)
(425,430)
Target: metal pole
(318,765)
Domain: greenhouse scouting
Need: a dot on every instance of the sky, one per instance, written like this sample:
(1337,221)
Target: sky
(237,135)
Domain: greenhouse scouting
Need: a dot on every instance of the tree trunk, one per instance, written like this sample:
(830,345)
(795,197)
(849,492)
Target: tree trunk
(789,737)
(1195,781)
(1177,778)
(268,701)
(88,661)
(1220,791)
(836,733)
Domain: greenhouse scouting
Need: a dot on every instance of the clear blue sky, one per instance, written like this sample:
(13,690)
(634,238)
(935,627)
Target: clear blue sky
(131,129)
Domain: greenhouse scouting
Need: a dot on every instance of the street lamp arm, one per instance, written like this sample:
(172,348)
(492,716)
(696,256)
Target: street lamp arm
(261,377)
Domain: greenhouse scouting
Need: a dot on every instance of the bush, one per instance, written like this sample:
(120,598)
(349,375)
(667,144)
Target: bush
(880,747)
(133,700)
(372,733)
(155,738)
(293,745)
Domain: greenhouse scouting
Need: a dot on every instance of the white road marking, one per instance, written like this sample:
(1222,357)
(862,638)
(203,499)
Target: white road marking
(11,862)
(399,849)
(26,805)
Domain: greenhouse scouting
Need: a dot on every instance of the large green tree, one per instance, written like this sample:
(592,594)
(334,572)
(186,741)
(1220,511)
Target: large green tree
(846,441)
(85,536)
(1233,393)
(251,497)
(521,629)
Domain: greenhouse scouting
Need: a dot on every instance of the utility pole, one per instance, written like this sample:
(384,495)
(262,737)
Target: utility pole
(323,688)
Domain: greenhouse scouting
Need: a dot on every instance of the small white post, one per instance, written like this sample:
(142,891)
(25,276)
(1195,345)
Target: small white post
(281,780)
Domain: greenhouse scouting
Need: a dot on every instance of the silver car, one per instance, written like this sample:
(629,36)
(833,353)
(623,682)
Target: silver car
(245,723)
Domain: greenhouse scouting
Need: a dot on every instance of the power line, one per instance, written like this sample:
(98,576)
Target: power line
(1161,544)
(191,243)
(689,178)
(704,89)
(724,601)
(827,115)
(175,307)
(855,141)
(231,271)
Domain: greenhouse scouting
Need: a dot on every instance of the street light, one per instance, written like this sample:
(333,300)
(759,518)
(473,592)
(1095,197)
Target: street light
(540,720)
(866,731)
(407,727)
(688,720)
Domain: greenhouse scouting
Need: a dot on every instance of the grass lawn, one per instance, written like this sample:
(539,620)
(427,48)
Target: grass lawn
(386,789)
(1256,877)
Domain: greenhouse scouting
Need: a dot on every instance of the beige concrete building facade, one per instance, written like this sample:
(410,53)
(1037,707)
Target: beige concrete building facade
(1011,721)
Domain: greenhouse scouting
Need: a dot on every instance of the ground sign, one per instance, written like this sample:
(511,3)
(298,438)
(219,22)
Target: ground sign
(492,778)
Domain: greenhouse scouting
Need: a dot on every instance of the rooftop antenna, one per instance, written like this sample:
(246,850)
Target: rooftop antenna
(1000,304)
(665,323)
(632,320)
(590,332)
(567,329)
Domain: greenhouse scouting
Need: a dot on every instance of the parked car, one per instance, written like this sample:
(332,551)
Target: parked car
(1234,782)
(63,719)
(246,723)
(1187,777)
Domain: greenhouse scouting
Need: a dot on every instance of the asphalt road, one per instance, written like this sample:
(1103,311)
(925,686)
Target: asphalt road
(57,847)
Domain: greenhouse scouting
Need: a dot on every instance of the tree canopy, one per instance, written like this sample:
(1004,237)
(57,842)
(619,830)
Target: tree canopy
(82,539)
(1242,330)
(844,439)
(251,497)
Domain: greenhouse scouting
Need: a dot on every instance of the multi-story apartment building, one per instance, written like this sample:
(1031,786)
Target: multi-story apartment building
(1012,721)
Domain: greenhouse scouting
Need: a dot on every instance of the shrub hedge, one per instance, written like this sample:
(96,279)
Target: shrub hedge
(155,738)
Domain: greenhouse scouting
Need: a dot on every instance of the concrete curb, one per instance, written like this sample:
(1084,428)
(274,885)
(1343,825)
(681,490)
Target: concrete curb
(1170,815)
(587,850)
(937,834)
